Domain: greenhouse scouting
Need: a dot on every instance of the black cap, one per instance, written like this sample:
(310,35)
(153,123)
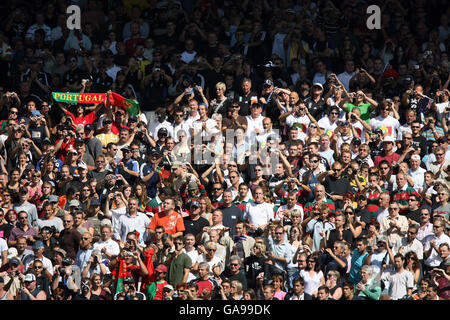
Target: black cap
(89,127)
(46,141)
(79,140)
(133,119)
(163,131)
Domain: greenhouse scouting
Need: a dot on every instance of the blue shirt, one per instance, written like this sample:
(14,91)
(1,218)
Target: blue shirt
(146,169)
(356,264)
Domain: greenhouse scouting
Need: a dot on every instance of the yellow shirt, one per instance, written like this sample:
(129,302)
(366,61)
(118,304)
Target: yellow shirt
(106,138)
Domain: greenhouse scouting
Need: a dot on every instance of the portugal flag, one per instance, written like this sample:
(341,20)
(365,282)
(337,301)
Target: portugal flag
(121,274)
(130,106)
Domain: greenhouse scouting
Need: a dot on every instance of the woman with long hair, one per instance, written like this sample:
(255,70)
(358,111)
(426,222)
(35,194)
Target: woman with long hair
(206,208)
(352,223)
(236,290)
(49,170)
(278,284)
(140,192)
(333,283)
(126,191)
(98,289)
(412,264)
(35,186)
(312,275)
(14,181)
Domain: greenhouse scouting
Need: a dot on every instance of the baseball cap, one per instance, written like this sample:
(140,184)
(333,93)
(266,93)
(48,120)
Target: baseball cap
(79,140)
(176,164)
(415,157)
(36,113)
(388,139)
(162,131)
(195,204)
(82,165)
(161,268)
(318,84)
(74,203)
(46,140)
(192,185)
(53,199)
(168,286)
(107,120)
(126,148)
(88,127)
(29,277)
(128,279)
(268,82)
(15,260)
(60,251)
(362,196)
(12,252)
(37,245)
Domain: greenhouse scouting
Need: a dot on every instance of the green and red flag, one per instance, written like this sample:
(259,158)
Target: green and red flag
(130,106)
(163,173)
(121,275)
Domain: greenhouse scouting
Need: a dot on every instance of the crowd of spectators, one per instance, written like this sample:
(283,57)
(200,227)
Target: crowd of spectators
(98,203)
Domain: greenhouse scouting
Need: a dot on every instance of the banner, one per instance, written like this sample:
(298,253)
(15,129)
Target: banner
(73,97)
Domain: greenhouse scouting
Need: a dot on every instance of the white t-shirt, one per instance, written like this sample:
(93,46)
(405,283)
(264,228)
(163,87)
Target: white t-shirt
(253,124)
(258,214)
(115,215)
(301,123)
(3,247)
(327,125)
(388,124)
(187,57)
(399,283)
(112,247)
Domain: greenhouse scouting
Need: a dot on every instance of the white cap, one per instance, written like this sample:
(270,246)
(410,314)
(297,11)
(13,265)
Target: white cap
(388,139)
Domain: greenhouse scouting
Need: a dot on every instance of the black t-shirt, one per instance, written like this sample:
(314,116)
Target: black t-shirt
(337,186)
(422,143)
(364,215)
(239,276)
(195,226)
(334,236)
(254,266)
(413,215)
(231,215)
(316,108)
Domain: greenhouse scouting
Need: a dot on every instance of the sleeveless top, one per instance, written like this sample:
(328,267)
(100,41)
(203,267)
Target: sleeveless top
(34,293)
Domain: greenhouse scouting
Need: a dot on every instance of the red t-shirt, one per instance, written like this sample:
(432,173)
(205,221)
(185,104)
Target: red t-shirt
(65,146)
(392,158)
(84,120)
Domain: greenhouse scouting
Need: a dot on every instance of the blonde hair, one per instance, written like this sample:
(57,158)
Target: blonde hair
(221,85)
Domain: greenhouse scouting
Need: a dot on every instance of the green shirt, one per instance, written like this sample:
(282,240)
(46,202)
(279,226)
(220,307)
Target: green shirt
(365,108)
(176,268)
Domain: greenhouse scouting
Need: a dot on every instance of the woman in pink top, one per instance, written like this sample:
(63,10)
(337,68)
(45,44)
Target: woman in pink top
(278,284)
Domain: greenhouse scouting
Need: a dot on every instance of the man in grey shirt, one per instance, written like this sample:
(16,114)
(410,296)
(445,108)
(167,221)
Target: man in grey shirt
(24,205)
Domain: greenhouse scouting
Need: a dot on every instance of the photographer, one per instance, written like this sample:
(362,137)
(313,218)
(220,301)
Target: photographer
(129,291)
(95,265)
(67,276)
